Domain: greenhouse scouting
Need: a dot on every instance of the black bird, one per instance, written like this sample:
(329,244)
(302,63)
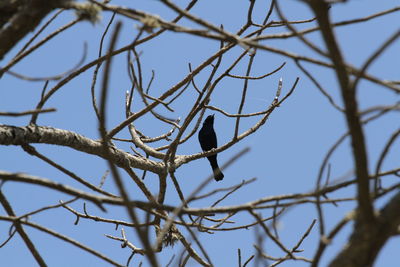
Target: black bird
(208,141)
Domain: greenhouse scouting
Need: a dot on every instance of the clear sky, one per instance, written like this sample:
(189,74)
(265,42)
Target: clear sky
(285,153)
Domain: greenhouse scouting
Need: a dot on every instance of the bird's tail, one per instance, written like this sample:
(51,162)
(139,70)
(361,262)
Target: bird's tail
(218,175)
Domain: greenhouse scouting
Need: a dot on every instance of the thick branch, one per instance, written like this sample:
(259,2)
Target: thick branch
(27,17)
(366,216)
(361,252)
(12,135)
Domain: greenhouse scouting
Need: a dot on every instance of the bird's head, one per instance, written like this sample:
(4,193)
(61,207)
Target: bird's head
(209,120)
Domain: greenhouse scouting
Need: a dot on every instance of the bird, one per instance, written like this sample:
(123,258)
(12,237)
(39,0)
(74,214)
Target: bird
(208,141)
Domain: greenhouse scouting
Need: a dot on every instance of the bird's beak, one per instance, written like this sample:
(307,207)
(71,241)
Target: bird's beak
(213,115)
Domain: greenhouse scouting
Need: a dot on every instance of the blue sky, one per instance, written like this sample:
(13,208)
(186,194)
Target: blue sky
(285,153)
